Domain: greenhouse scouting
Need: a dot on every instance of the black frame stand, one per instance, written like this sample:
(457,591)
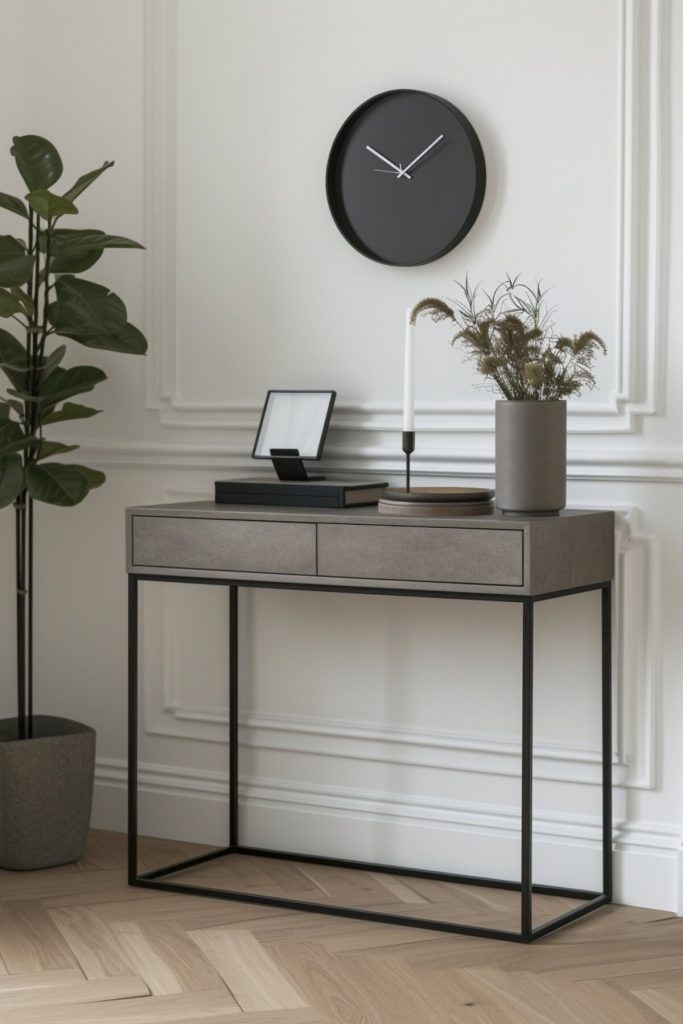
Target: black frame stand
(527,932)
(289,465)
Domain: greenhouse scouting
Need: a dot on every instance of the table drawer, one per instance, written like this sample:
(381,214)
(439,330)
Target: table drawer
(224,545)
(428,554)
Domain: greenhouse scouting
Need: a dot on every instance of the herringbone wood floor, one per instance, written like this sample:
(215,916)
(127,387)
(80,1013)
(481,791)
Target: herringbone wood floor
(78,946)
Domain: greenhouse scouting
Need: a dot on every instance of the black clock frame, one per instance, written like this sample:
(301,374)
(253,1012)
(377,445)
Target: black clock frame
(335,201)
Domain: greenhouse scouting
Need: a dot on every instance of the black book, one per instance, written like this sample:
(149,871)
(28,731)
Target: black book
(305,493)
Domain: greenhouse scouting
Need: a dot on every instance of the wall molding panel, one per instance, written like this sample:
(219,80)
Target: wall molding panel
(633,465)
(641,217)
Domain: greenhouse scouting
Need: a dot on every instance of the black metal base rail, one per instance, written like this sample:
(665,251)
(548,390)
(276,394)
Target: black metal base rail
(158,878)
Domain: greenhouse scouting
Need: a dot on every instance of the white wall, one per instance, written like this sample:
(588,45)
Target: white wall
(373,727)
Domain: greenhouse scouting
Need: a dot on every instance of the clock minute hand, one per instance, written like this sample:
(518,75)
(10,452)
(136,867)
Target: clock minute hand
(419,157)
(398,170)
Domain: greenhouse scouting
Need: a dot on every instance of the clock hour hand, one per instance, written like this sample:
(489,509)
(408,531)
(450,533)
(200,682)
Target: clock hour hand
(399,170)
(419,157)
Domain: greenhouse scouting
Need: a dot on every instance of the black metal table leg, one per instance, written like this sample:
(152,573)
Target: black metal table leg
(132,728)
(527,764)
(233,712)
(607,740)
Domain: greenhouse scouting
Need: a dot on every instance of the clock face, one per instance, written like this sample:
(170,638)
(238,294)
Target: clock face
(405,178)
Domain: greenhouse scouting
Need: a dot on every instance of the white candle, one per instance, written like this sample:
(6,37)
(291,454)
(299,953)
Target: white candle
(408,377)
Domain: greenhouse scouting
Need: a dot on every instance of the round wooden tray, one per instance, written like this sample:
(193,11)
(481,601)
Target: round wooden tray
(446,494)
(437,501)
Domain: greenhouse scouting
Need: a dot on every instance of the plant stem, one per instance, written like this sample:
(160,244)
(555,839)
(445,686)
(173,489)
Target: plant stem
(24,510)
(21,614)
(24,572)
(29,622)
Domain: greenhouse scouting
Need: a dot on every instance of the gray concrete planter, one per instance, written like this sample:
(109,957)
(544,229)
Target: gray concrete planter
(531,457)
(46,786)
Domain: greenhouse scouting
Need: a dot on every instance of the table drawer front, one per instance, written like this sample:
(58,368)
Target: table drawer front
(423,554)
(224,546)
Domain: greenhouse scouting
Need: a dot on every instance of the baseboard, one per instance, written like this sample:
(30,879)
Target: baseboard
(385,828)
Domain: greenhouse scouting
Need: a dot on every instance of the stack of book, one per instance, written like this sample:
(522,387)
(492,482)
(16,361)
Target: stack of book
(304,493)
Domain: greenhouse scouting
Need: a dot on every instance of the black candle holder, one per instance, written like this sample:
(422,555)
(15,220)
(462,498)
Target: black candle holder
(408,448)
(433,501)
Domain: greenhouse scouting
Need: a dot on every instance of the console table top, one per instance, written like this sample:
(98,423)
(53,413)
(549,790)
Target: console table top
(359,548)
(364,514)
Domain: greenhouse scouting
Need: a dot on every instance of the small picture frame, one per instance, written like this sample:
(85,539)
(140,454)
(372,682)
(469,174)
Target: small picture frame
(293,427)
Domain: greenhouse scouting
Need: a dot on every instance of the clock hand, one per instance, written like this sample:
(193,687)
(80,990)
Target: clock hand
(423,153)
(397,168)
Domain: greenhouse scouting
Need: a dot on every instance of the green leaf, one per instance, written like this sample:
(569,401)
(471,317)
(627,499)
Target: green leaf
(13,204)
(63,384)
(56,484)
(86,180)
(74,251)
(49,205)
(25,300)
(13,359)
(83,307)
(48,448)
(38,161)
(70,411)
(53,360)
(15,266)
(129,340)
(9,303)
(74,261)
(11,479)
(94,477)
(13,439)
(4,411)
(12,352)
(89,238)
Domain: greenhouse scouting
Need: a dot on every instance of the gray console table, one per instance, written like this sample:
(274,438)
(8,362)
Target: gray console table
(484,558)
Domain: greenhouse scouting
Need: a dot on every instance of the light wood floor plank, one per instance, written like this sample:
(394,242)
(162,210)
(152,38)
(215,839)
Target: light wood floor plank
(662,966)
(399,888)
(16,885)
(171,942)
(49,997)
(325,981)
(151,967)
(43,979)
(384,982)
(667,1002)
(92,942)
(29,941)
(150,1010)
(246,968)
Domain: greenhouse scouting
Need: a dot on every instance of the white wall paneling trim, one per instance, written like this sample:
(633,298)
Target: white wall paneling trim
(561,841)
(641,198)
(632,465)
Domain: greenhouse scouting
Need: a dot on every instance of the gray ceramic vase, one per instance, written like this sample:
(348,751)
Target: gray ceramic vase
(531,457)
(46,786)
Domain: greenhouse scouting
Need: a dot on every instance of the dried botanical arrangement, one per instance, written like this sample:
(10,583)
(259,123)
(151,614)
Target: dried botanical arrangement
(509,334)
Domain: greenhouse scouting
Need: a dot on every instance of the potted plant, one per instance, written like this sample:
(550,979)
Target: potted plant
(47,763)
(510,335)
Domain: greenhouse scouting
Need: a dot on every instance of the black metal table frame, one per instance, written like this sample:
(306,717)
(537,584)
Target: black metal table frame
(527,933)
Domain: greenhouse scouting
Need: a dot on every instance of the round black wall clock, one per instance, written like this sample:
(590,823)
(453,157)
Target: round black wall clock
(405,178)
